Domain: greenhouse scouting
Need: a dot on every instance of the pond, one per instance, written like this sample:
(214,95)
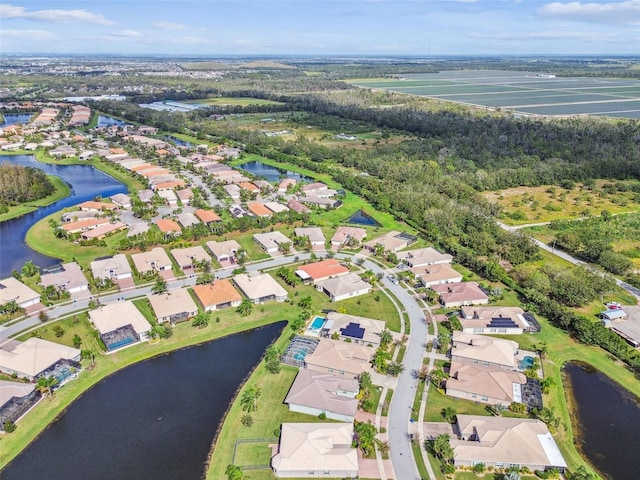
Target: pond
(153,420)
(272,174)
(107,121)
(362,218)
(86,183)
(606,422)
(14,118)
(177,141)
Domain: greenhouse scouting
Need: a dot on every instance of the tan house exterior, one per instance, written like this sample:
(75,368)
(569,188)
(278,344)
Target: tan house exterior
(154,260)
(224,251)
(344,286)
(12,289)
(484,352)
(460,294)
(113,316)
(339,358)
(186,258)
(501,442)
(493,387)
(173,306)
(69,278)
(316,450)
(424,256)
(270,242)
(493,320)
(314,234)
(363,330)
(114,268)
(389,242)
(260,287)
(343,234)
(33,357)
(439,274)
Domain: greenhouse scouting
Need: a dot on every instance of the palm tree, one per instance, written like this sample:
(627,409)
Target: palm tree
(305,302)
(249,399)
(201,320)
(45,385)
(29,269)
(385,338)
(160,286)
(245,307)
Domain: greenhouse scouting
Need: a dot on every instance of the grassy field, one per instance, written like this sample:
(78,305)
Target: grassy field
(240,101)
(62,190)
(523,205)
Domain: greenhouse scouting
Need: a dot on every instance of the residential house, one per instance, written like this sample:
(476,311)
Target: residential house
(314,450)
(315,393)
(249,187)
(297,207)
(114,268)
(169,197)
(12,289)
(276,207)
(366,331)
(321,202)
(320,271)
(259,210)
(493,387)
(389,242)
(484,352)
(217,295)
(173,306)
(146,195)
(270,242)
(340,358)
(460,294)
(80,226)
(137,229)
(233,191)
(16,398)
(224,251)
(68,277)
(185,195)
(120,324)
(168,227)
(36,357)
(102,231)
(207,216)
(494,320)
(501,442)
(260,287)
(346,234)
(626,325)
(237,211)
(121,200)
(76,215)
(315,235)
(343,287)
(424,256)
(155,260)
(188,258)
(439,274)
(91,206)
(187,219)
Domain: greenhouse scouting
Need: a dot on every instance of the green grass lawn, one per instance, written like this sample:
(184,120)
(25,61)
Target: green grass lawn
(62,190)
(252,454)
(75,325)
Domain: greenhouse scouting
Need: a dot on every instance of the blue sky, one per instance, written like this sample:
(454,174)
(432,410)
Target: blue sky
(321,27)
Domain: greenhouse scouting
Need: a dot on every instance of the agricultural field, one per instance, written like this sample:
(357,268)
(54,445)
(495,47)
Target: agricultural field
(239,101)
(522,92)
(524,205)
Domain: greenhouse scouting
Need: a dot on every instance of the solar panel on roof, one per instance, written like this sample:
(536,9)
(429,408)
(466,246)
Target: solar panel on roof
(353,330)
(502,322)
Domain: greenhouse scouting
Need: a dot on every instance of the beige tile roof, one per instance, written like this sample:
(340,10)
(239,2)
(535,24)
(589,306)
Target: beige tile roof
(118,263)
(479,317)
(506,440)
(436,273)
(271,240)
(221,291)
(112,316)
(173,302)
(314,233)
(460,292)
(424,256)
(306,447)
(34,356)
(345,284)
(496,384)
(259,285)
(389,241)
(151,260)
(187,256)
(341,356)
(13,289)
(69,278)
(227,248)
(322,391)
(103,230)
(484,349)
(344,233)
(8,390)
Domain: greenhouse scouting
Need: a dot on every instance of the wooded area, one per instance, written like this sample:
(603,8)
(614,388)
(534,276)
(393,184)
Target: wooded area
(20,184)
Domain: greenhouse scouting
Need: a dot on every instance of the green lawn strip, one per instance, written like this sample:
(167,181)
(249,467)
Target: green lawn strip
(401,353)
(183,335)
(417,399)
(252,454)
(374,398)
(435,466)
(74,325)
(394,325)
(387,402)
(422,469)
(487,476)
(62,190)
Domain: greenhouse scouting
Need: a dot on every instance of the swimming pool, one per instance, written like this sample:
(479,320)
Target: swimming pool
(300,356)
(317,323)
(526,362)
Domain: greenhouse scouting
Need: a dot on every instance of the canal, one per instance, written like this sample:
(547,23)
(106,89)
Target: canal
(153,420)
(86,183)
(606,422)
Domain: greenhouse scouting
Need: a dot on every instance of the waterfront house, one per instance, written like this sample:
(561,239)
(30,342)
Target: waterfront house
(120,324)
(102,231)
(483,351)
(121,200)
(315,393)
(16,398)
(83,225)
(312,450)
(285,184)
(340,358)
(36,357)
(12,289)
(173,306)
(493,387)
(68,277)
(217,295)
(91,206)
(260,287)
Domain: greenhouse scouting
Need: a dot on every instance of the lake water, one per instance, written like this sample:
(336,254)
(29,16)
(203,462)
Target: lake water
(177,141)
(608,422)
(86,183)
(153,420)
(271,174)
(13,118)
(107,121)
(362,218)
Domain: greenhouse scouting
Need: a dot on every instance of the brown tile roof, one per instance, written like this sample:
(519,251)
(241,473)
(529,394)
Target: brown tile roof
(84,224)
(98,205)
(221,291)
(324,269)
(259,209)
(207,216)
(248,186)
(166,226)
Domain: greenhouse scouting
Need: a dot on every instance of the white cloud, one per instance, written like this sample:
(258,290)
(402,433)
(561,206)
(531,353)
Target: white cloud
(126,34)
(27,34)
(55,16)
(627,11)
(548,35)
(191,40)
(168,26)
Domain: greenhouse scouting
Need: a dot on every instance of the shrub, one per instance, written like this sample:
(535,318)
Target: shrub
(9,426)
(246,420)
(322,416)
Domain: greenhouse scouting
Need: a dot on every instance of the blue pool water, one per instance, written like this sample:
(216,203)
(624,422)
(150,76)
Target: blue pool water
(527,362)
(317,323)
(300,355)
